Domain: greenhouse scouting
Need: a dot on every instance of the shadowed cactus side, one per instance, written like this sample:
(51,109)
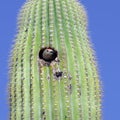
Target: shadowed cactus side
(52,70)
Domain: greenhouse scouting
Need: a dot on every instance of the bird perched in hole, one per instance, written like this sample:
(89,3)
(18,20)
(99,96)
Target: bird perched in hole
(48,54)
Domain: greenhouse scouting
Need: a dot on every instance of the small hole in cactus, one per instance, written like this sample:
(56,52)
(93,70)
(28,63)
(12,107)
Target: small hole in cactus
(70,88)
(48,54)
(43,112)
(58,74)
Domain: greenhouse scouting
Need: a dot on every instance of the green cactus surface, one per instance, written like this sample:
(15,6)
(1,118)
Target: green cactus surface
(53,71)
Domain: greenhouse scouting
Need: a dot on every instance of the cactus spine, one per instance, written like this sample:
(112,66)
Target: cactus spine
(64,89)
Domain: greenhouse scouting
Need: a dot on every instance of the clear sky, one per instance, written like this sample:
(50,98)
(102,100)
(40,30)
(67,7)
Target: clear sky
(104,30)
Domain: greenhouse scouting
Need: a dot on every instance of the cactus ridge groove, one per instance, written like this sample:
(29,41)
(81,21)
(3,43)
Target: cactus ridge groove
(61,84)
(70,49)
(83,57)
(53,70)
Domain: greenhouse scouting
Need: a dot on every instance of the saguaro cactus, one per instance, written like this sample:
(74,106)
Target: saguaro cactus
(53,73)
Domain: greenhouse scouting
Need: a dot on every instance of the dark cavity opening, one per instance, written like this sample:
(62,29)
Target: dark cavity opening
(58,74)
(43,112)
(48,54)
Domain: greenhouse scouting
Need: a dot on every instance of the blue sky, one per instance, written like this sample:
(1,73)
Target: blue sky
(104,30)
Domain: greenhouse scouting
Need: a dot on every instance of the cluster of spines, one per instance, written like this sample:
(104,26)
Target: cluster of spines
(34,91)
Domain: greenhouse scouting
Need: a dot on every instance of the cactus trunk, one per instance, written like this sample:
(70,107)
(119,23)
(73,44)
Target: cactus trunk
(48,87)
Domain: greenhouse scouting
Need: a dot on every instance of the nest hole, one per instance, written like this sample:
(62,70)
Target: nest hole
(48,54)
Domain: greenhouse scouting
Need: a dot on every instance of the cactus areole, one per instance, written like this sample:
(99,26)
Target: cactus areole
(53,72)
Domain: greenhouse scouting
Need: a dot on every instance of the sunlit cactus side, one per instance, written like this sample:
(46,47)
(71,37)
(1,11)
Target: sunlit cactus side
(53,72)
